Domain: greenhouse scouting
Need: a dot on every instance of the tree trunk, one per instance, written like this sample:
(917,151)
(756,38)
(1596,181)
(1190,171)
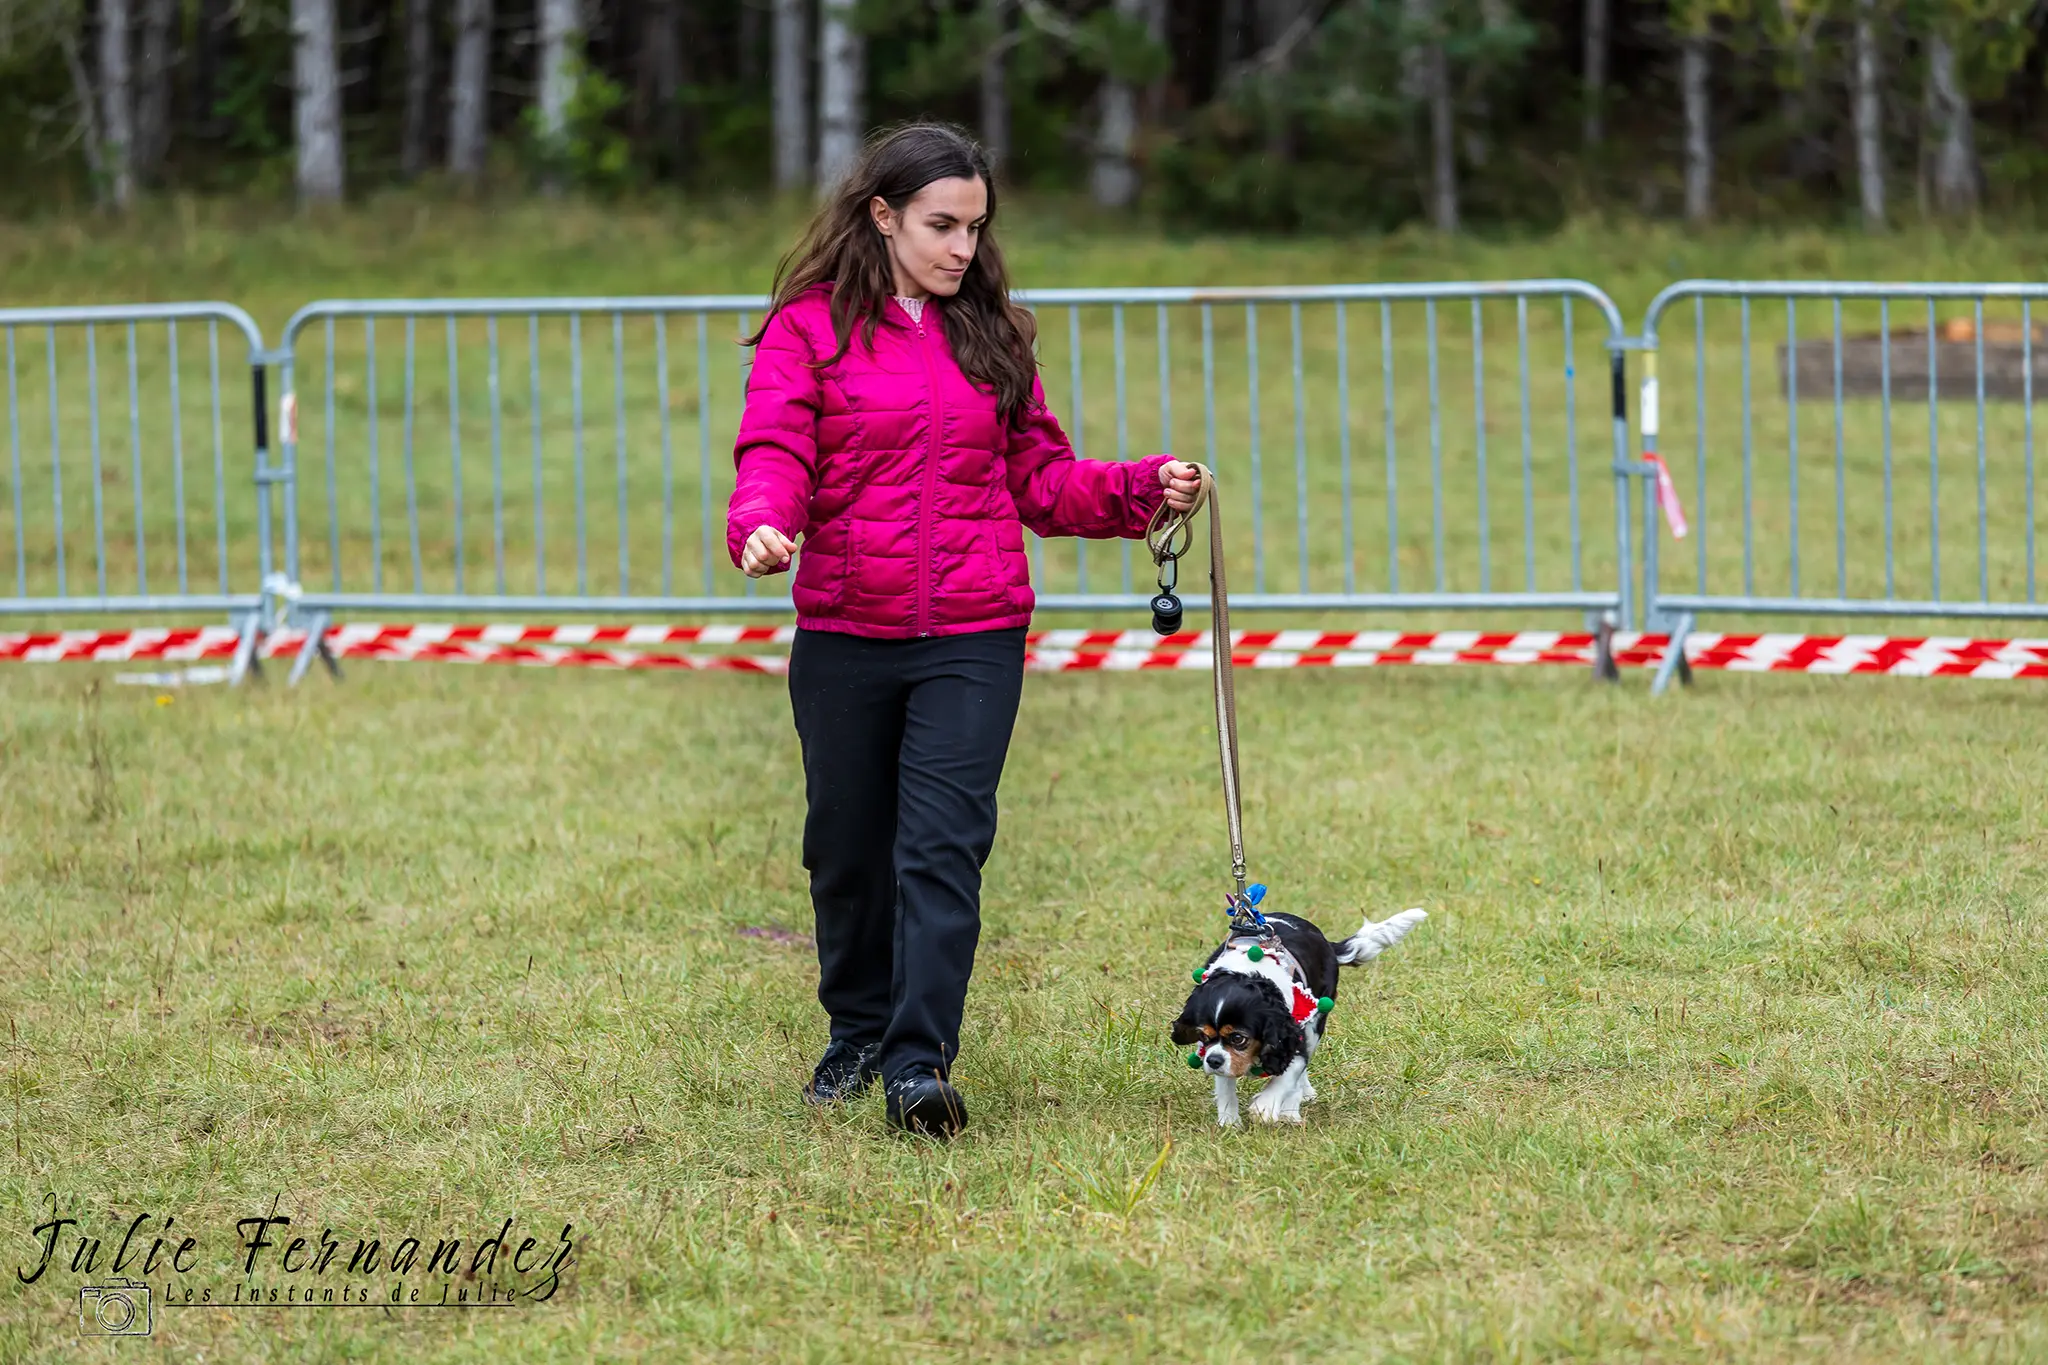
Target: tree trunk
(1443,142)
(560,54)
(153,103)
(1955,151)
(1156,30)
(1868,115)
(995,83)
(117,110)
(469,89)
(1594,73)
(316,100)
(1114,180)
(419,87)
(661,80)
(842,77)
(1426,80)
(1699,147)
(792,95)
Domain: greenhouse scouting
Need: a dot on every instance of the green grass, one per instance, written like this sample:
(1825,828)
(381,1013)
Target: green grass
(1724,1040)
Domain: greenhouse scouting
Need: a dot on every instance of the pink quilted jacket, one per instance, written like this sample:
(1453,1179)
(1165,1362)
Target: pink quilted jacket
(910,496)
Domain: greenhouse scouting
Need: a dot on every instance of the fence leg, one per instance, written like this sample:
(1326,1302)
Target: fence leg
(248,642)
(1604,667)
(1674,660)
(315,647)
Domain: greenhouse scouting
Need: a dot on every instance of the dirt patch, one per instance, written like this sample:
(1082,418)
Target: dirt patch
(782,938)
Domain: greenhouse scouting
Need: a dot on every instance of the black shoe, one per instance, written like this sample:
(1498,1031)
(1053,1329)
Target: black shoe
(843,1073)
(921,1103)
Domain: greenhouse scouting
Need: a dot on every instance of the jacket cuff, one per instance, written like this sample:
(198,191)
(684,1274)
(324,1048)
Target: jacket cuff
(1146,492)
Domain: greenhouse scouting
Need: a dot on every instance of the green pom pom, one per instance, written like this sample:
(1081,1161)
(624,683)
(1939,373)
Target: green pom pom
(1194,1059)
(1255,952)
(1324,1004)
(1198,976)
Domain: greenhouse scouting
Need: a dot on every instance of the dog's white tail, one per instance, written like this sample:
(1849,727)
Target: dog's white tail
(1373,939)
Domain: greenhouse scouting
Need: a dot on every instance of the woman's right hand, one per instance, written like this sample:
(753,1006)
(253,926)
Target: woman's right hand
(766,551)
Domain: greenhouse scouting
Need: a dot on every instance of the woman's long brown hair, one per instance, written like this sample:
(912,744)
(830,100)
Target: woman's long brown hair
(991,336)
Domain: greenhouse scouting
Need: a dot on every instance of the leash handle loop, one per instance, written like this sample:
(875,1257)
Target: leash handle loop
(1169,535)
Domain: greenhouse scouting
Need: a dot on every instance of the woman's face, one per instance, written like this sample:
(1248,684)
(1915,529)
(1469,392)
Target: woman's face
(932,242)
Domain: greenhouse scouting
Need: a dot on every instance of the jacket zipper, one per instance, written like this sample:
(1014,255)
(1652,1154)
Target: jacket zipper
(931,470)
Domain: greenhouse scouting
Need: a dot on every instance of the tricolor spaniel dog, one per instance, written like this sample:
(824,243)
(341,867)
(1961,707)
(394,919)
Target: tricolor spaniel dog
(1261,1003)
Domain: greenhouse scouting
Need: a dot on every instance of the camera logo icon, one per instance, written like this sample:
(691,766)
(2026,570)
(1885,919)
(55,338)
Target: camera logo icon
(119,1308)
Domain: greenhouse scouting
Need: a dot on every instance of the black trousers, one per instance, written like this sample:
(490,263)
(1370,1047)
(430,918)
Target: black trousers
(903,745)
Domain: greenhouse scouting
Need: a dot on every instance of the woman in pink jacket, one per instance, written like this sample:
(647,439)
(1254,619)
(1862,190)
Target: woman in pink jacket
(896,426)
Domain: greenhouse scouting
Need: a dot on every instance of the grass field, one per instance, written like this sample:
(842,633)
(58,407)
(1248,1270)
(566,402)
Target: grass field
(1723,1041)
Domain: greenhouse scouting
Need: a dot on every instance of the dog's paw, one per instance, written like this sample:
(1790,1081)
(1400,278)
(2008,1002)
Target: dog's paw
(1308,1092)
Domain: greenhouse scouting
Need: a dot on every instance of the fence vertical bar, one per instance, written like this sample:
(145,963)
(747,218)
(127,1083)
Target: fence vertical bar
(1479,446)
(376,494)
(333,511)
(455,451)
(1344,448)
(619,439)
(1933,452)
(92,392)
(1748,467)
(1436,445)
(1251,363)
(1699,398)
(576,433)
(533,421)
(494,382)
(412,483)
(1300,448)
(135,458)
(1792,420)
(57,460)
(668,458)
(177,454)
(1884,371)
(1209,383)
(1393,481)
(2027,396)
(1123,426)
(1078,435)
(1528,453)
(14,468)
(1571,442)
(220,474)
(1983,543)
(1841,493)
(704,444)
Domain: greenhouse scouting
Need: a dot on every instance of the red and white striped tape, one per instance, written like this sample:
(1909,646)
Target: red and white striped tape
(1069,651)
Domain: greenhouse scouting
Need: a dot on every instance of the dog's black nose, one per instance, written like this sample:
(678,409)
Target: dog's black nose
(1214,1061)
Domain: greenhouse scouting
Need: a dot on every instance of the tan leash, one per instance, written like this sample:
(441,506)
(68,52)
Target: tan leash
(1170,535)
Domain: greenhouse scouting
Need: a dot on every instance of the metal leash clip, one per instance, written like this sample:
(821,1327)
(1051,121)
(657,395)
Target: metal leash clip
(1243,909)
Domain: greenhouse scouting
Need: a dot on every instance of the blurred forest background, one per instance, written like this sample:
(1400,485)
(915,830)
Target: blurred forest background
(1320,115)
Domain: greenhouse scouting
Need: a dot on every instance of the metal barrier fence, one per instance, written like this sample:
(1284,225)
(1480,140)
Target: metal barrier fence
(155,471)
(1969,353)
(515,455)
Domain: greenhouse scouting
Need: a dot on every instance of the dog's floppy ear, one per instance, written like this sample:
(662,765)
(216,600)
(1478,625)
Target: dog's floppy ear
(1279,1038)
(1184,1030)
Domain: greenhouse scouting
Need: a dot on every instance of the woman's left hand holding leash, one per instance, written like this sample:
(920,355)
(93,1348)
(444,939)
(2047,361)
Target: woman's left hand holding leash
(1183,484)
